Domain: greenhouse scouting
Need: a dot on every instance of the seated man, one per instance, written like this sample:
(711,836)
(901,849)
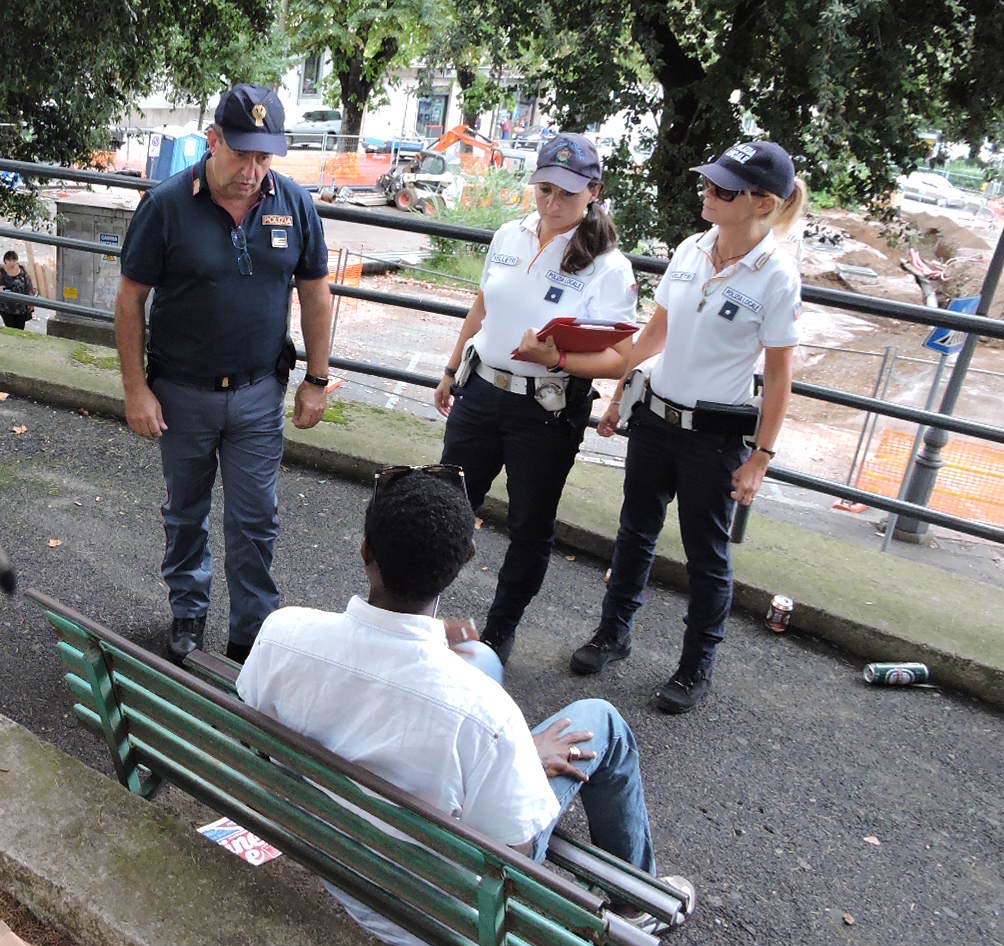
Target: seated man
(380,686)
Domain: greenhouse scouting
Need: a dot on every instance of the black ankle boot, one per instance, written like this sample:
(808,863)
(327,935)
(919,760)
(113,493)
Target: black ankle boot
(186,636)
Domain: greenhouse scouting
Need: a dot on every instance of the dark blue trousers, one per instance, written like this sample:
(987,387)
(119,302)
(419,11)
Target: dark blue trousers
(696,468)
(489,429)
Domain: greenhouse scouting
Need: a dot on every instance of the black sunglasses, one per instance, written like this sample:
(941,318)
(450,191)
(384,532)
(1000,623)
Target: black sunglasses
(442,471)
(240,242)
(723,193)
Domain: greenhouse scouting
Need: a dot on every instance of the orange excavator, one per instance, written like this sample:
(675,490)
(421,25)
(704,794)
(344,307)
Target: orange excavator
(463,135)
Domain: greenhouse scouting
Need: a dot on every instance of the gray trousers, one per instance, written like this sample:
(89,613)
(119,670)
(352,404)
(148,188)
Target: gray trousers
(241,433)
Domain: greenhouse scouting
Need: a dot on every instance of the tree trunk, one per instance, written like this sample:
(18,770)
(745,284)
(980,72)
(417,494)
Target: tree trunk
(356,89)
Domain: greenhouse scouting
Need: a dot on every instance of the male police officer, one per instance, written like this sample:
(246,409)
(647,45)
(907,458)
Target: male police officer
(221,242)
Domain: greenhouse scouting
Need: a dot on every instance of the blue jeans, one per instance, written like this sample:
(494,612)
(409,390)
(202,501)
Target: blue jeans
(613,797)
(696,468)
(240,432)
(489,428)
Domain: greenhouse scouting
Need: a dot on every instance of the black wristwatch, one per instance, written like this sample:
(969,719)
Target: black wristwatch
(314,379)
(770,453)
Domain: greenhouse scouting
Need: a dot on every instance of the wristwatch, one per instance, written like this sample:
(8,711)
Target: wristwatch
(314,379)
(560,365)
(770,453)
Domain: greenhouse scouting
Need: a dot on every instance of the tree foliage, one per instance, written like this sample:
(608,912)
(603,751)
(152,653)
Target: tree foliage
(70,68)
(364,40)
(845,85)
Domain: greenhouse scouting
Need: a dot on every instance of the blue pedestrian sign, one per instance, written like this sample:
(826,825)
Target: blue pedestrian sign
(947,341)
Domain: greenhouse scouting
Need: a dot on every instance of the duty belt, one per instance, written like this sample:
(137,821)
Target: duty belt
(671,413)
(223,382)
(516,383)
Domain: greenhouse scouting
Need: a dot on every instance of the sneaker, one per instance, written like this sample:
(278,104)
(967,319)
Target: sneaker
(604,647)
(186,636)
(502,645)
(657,927)
(684,690)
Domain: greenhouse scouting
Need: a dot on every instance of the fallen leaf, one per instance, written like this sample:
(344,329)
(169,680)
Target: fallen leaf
(848,919)
(871,839)
(4,395)
(55,543)
(478,523)
(19,429)
(83,412)
(569,558)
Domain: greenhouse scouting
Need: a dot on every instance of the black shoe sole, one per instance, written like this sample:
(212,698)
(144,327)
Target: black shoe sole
(585,671)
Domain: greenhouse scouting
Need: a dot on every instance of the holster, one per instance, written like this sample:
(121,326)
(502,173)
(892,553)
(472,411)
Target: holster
(286,360)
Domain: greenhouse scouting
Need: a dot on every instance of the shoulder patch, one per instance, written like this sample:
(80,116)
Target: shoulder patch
(276,220)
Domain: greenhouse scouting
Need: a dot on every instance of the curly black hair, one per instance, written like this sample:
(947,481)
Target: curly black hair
(419,530)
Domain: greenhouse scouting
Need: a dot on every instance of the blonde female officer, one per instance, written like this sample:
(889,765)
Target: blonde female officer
(728,300)
(529,415)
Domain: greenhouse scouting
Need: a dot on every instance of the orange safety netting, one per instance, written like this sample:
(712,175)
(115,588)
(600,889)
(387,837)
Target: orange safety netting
(969,485)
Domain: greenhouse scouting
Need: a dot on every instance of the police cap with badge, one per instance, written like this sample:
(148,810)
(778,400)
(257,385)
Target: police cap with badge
(252,118)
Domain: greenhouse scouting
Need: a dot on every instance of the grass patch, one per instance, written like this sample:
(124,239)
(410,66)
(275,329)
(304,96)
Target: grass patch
(22,334)
(82,355)
(447,269)
(333,414)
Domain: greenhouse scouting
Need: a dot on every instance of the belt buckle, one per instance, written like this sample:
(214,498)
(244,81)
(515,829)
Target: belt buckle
(673,416)
(502,380)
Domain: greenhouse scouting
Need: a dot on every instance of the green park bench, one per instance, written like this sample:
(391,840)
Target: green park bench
(448,884)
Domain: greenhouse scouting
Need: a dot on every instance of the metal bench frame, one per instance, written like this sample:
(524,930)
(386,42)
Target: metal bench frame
(448,884)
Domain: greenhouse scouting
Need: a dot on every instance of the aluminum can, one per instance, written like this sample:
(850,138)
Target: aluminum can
(892,675)
(779,613)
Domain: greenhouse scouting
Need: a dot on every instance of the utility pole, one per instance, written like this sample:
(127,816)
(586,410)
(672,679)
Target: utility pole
(929,460)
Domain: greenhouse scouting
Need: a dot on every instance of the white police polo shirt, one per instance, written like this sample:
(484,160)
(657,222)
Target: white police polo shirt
(524,287)
(719,324)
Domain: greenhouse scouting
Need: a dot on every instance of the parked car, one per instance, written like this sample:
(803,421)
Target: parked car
(314,128)
(931,188)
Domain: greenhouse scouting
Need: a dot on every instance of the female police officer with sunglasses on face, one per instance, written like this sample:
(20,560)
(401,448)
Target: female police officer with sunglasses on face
(728,299)
(529,415)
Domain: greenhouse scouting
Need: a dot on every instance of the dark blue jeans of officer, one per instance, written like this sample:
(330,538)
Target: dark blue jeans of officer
(239,432)
(489,428)
(696,468)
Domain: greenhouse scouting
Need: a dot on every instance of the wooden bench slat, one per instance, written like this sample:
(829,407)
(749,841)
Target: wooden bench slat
(335,782)
(343,877)
(214,668)
(282,784)
(396,882)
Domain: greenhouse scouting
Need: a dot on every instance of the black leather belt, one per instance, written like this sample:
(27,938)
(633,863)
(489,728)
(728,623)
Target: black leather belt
(222,382)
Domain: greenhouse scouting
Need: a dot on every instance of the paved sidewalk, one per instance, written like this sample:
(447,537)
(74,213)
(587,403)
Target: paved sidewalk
(876,606)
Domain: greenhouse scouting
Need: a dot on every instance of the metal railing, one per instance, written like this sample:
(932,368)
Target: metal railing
(978,325)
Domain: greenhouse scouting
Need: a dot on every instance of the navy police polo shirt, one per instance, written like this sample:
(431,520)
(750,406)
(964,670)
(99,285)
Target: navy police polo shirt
(208,319)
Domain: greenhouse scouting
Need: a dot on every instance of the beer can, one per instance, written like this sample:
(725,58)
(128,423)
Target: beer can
(779,613)
(902,675)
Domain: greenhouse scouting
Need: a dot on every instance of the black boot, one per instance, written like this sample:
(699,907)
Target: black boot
(238,652)
(598,652)
(502,644)
(186,636)
(685,689)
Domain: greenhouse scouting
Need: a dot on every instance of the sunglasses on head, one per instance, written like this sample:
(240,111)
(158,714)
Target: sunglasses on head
(723,193)
(441,471)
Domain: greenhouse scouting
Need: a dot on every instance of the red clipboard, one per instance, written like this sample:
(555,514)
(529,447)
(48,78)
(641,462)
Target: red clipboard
(582,335)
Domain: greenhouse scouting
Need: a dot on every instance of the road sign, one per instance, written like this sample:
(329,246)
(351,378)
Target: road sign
(946,341)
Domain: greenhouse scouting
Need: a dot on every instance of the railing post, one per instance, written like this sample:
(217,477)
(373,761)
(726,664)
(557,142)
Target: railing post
(929,460)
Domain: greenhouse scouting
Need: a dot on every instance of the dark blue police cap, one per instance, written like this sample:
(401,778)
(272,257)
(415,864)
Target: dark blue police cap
(251,118)
(753,165)
(570,161)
